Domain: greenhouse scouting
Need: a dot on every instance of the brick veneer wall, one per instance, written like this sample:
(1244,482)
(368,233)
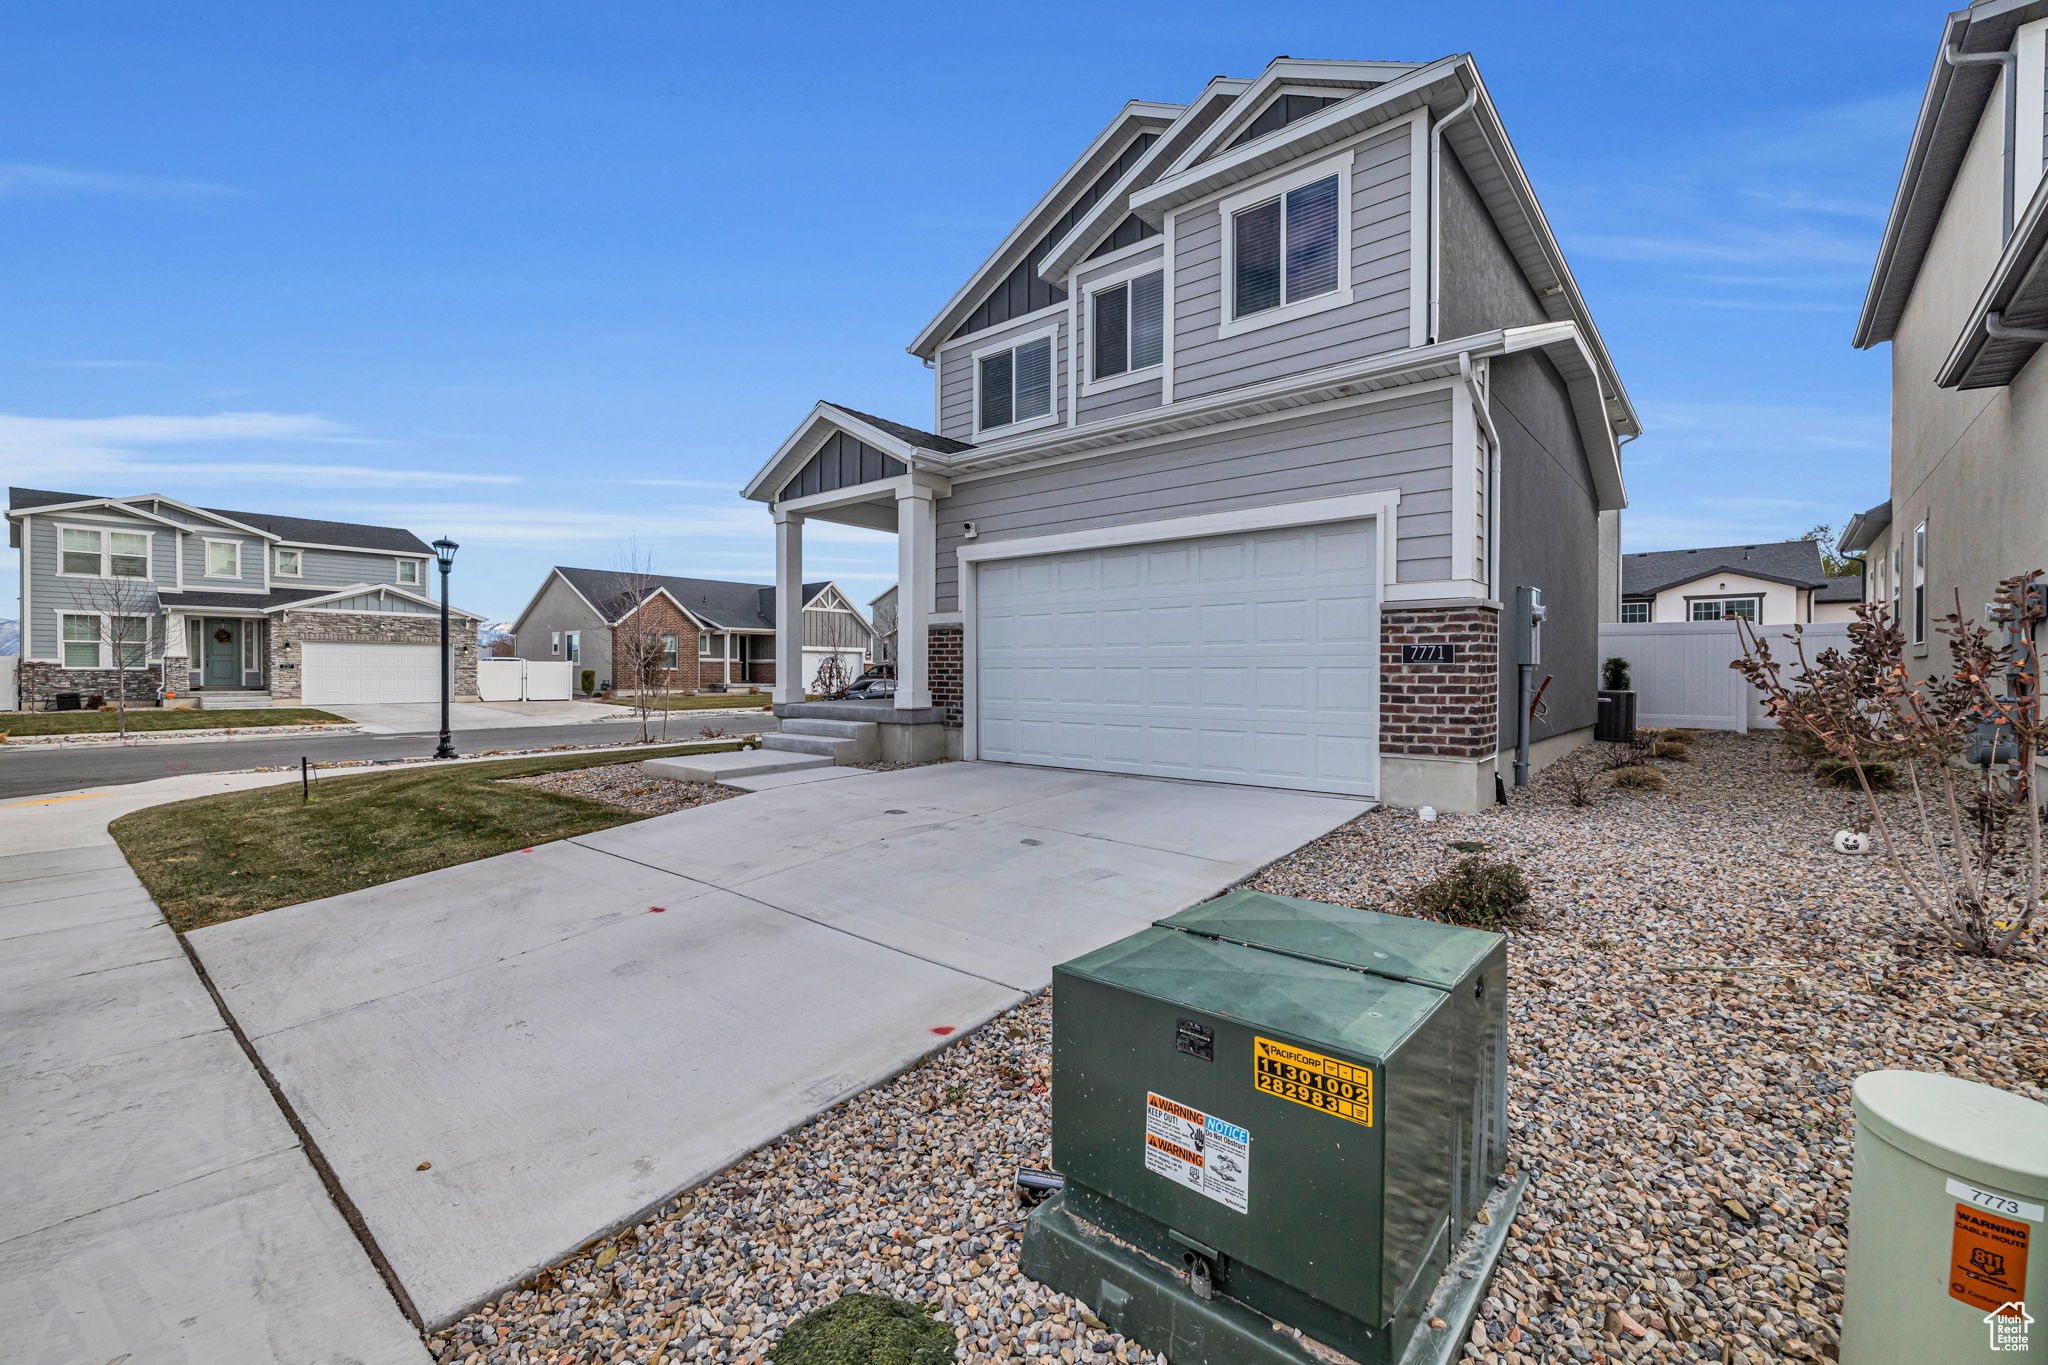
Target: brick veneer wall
(38,681)
(1445,710)
(945,660)
(290,629)
(690,673)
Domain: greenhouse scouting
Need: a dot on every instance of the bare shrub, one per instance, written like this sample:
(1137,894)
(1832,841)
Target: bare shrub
(1672,751)
(1638,777)
(832,678)
(1475,892)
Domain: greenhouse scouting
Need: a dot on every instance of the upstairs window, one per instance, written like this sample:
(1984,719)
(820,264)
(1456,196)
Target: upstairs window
(223,559)
(1127,326)
(287,564)
(1285,248)
(87,553)
(1013,384)
(409,571)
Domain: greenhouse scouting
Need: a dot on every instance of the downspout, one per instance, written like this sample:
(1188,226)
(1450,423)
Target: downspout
(1995,327)
(2009,60)
(1436,155)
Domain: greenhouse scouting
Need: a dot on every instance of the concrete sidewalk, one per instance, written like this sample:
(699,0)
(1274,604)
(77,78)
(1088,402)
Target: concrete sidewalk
(571,1035)
(424,717)
(154,1203)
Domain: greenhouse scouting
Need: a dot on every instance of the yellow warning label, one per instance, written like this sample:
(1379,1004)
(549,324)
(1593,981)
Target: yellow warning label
(1312,1079)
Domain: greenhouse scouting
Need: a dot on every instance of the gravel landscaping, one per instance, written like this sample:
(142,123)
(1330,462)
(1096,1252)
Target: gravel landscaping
(624,784)
(1698,980)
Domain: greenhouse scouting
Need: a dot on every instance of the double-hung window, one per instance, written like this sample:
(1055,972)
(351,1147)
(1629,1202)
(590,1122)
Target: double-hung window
(1724,608)
(1635,613)
(1013,384)
(1127,326)
(1285,248)
(81,639)
(287,564)
(670,651)
(223,559)
(708,646)
(409,571)
(1920,584)
(86,552)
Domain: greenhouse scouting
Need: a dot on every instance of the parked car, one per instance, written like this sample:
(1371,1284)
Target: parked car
(867,688)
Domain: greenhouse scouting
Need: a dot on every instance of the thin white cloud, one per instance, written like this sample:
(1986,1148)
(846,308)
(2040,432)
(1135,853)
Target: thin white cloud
(109,364)
(737,528)
(34,180)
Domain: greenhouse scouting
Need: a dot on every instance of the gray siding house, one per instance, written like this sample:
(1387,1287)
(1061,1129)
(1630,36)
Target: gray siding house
(1241,440)
(1960,291)
(709,632)
(234,608)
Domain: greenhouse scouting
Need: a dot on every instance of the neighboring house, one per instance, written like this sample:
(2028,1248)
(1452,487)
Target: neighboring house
(1960,290)
(1837,600)
(199,600)
(1265,389)
(1772,585)
(882,612)
(708,633)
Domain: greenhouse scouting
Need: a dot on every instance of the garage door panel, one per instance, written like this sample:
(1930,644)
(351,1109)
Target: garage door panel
(343,673)
(1248,658)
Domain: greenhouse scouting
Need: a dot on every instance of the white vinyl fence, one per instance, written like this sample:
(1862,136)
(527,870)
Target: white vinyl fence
(1681,670)
(10,692)
(524,680)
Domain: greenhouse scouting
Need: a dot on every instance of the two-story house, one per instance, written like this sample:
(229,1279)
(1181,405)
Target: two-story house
(701,632)
(237,608)
(1240,441)
(1960,290)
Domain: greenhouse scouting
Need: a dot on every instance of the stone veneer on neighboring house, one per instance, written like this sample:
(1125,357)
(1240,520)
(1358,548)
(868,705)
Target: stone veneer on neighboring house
(1440,710)
(289,629)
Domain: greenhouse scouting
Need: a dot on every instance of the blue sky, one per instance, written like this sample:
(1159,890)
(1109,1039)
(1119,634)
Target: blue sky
(553,278)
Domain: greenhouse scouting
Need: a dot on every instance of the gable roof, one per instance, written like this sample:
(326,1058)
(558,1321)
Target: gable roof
(897,440)
(277,599)
(300,530)
(1135,117)
(714,602)
(1792,562)
(1343,79)
(1847,588)
(1950,110)
(1864,528)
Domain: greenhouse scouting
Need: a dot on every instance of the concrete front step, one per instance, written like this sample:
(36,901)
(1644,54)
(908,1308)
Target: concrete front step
(836,729)
(733,763)
(233,701)
(862,748)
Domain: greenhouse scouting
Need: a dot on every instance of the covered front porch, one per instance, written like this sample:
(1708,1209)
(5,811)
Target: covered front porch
(221,653)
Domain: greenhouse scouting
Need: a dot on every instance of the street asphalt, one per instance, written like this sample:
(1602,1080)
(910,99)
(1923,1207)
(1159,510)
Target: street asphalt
(37,771)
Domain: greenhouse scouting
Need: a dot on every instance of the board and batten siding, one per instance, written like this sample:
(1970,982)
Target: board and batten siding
(1125,398)
(956,375)
(48,593)
(381,602)
(1376,320)
(835,630)
(1401,443)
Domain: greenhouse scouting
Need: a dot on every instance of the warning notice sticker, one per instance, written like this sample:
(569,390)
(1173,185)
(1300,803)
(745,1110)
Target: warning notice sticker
(1310,1078)
(1198,1150)
(1988,1259)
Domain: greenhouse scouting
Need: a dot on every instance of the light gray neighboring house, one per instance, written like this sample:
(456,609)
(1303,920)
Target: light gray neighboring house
(1960,290)
(882,612)
(248,605)
(1240,440)
(711,632)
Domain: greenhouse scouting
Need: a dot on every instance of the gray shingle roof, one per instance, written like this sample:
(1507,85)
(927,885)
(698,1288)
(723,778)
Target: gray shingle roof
(1848,588)
(1788,561)
(917,436)
(307,530)
(730,606)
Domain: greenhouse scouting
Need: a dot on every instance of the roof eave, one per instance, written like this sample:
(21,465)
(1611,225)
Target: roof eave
(805,440)
(2018,286)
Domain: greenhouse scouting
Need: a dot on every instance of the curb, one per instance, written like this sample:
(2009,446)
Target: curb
(178,736)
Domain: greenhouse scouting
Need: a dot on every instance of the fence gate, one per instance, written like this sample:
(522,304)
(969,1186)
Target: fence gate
(1681,669)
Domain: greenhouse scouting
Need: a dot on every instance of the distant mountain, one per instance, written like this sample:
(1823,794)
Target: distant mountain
(486,636)
(10,637)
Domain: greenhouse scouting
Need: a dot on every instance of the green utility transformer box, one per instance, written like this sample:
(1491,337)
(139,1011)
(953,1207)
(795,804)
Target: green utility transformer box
(1278,1119)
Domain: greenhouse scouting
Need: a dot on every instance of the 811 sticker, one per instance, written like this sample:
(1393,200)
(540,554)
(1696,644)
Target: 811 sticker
(1198,1150)
(1335,1087)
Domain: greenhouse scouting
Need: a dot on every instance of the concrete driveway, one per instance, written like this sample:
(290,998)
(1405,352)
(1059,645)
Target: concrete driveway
(424,717)
(572,1034)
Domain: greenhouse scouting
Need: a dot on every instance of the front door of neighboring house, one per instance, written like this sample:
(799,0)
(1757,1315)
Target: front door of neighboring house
(220,638)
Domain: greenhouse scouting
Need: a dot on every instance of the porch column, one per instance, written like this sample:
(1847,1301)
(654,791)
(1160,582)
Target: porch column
(727,638)
(917,548)
(789,607)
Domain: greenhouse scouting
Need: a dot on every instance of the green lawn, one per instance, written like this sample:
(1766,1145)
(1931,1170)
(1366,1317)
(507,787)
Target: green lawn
(156,718)
(697,703)
(219,858)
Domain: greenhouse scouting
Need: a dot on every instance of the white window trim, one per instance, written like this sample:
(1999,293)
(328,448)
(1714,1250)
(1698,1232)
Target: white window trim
(103,642)
(1724,600)
(1919,595)
(1382,507)
(106,552)
(1084,366)
(277,554)
(419,578)
(1232,205)
(251,663)
(206,560)
(99,638)
(1052,417)
(554,642)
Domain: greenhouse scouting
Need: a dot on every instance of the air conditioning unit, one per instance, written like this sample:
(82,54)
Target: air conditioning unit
(1277,1122)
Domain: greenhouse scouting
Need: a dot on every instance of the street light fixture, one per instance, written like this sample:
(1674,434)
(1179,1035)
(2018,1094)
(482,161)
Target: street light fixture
(444,551)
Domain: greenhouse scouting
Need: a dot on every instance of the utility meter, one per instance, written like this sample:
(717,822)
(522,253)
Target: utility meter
(1529,615)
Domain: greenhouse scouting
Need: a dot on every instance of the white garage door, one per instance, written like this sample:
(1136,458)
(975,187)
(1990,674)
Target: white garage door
(332,674)
(1248,658)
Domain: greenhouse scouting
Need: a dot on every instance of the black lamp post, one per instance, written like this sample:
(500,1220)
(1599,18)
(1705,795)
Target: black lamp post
(444,551)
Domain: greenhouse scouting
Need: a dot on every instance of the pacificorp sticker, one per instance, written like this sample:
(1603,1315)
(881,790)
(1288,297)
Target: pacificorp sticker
(1198,1150)
(1310,1078)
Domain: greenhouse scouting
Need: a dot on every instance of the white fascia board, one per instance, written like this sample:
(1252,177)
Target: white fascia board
(700,622)
(852,610)
(111,504)
(1566,347)
(823,419)
(1071,251)
(1283,71)
(197,512)
(1134,116)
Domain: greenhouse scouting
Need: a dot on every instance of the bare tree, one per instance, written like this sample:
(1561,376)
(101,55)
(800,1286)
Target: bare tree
(644,655)
(885,631)
(127,621)
(832,678)
(1967,845)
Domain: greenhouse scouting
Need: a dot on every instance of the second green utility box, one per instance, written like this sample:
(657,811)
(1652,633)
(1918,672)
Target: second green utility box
(1298,1106)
